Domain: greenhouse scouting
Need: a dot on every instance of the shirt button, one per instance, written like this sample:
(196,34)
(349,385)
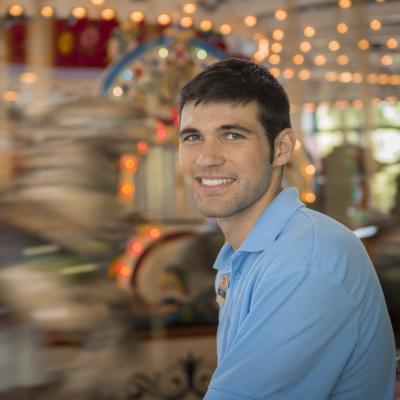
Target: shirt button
(237,275)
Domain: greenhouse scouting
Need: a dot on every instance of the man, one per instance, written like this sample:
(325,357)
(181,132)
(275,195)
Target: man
(302,314)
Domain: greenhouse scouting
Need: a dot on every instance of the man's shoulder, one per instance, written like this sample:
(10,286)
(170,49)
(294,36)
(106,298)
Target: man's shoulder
(315,229)
(315,241)
(319,243)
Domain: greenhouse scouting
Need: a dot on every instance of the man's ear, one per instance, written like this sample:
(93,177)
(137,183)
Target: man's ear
(284,147)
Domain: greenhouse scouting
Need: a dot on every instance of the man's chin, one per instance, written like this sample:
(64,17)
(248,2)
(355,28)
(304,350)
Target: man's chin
(209,212)
(213,208)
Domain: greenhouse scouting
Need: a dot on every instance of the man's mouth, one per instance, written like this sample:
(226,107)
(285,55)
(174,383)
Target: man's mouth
(214,181)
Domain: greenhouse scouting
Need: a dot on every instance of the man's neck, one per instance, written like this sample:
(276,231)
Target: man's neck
(237,227)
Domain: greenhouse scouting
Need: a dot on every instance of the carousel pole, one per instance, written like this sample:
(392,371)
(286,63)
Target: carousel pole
(39,61)
(5,133)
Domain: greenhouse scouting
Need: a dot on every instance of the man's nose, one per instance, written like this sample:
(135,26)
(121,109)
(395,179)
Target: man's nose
(210,154)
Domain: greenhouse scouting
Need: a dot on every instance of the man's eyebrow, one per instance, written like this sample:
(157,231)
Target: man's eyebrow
(225,127)
(235,127)
(188,130)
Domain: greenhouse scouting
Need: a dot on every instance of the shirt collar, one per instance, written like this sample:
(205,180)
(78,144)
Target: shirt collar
(224,256)
(268,226)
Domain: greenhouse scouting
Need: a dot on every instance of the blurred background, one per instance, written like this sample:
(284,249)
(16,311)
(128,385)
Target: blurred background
(106,280)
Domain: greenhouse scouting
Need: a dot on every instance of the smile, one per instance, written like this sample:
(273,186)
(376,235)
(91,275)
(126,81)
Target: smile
(215,181)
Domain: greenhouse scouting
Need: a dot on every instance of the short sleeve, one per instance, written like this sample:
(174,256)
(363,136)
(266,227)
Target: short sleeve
(298,335)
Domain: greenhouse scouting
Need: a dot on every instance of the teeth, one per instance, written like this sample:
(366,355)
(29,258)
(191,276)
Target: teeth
(216,182)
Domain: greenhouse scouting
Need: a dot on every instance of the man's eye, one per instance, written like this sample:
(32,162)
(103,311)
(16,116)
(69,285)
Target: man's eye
(233,136)
(192,138)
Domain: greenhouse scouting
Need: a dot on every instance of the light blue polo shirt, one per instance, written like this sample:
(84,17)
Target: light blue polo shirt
(304,315)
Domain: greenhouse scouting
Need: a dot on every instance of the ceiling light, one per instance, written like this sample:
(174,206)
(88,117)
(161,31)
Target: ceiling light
(392,43)
(278,34)
(258,56)
(310,169)
(305,46)
(288,73)
(263,46)
(345,77)
(274,59)
(47,11)
(309,31)
(280,15)
(206,25)
(137,16)
(79,12)
(375,24)
(320,59)
(250,21)
(304,74)
(186,22)
(342,59)
(342,27)
(275,71)
(276,47)
(108,14)
(16,10)
(344,3)
(298,59)
(189,8)
(363,44)
(308,197)
(164,19)
(386,59)
(334,45)
(225,29)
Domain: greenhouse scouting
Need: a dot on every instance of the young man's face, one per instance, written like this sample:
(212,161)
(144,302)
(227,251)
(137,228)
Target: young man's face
(224,156)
